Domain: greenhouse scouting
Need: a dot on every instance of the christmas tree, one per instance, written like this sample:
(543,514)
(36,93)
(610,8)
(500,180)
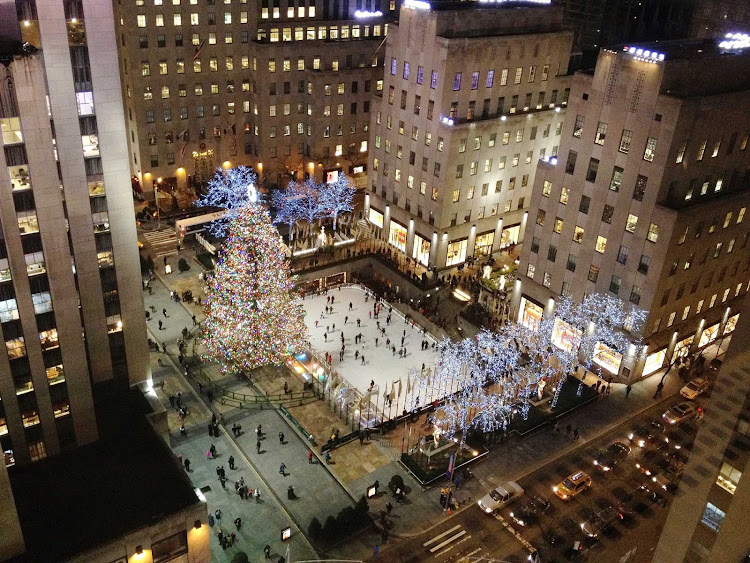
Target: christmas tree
(252,316)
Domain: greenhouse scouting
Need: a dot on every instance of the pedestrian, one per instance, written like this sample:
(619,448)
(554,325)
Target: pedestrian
(627,391)
(256,494)
(164,312)
(161,325)
(217,514)
(212,449)
(286,388)
(223,482)
(328,458)
(187,465)
(363,359)
(267,552)
(346,319)
(309,457)
(281,437)
(350,305)
(376,550)
(376,342)
(231,462)
(257,445)
(358,321)
(576,435)
(384,535)
(333,327)
(370,314)
(195,321)
(259,430)
(238,523)
(282,469)
(388,507)
(182,430)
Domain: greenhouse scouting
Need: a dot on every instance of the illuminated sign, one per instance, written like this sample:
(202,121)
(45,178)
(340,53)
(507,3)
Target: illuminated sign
(367,14)
(645,55)
(417,4)
(332,176)
(734,41)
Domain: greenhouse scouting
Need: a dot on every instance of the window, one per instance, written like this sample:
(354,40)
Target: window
(635,295)
(546,188)
(640,187)
(713,517)
(457,81)
(648,153)
(571,264)
(459,171)
(570,165)
(141,19)
(625,139)
(540,216)
(728,478)
(578,127)
(593,273)
(622,254)
(530,271)
(564,196)
(653,232)
(474,80)
(601,133)
(583,207)
(552,253)
(601,244)
(607,214)
(631,223)
(681,152)
(456,196)
(578,234)
(517,77)
(558,225)
(592,170)
(433,80)
(614,284)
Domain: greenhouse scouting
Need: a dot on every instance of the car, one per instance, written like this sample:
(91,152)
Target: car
(696,387)
(500,496)
(607,459)
(528,513)
(680,413)
(572,485)
(679,438)
(648,461)
(646,433)
(601,521)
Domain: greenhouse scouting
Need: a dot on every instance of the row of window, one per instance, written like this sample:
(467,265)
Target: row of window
(193,18)
(725,295)
(715,148)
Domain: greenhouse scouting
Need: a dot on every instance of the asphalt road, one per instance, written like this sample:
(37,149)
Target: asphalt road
(472,535)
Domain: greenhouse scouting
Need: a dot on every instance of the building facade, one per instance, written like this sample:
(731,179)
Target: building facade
(283,88)
(472,99)
(648,199)
(72,307)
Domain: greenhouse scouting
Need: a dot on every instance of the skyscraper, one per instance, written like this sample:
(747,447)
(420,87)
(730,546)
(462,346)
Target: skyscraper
(648,198)
(71,307)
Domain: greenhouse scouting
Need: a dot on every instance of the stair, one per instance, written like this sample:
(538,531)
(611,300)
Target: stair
(163,242)
(364,230)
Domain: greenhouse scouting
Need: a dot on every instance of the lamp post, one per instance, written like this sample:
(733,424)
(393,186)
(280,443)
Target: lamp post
(158,211)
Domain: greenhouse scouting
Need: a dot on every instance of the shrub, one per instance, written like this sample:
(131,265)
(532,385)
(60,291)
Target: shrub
(330,529)
(240,557)
(182,265)
(315,529)
(206,259)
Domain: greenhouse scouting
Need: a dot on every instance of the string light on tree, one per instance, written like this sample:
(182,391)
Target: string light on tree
(252,316)
(230,189)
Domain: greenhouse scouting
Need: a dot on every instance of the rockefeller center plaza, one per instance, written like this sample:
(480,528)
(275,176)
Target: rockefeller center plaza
(444,281)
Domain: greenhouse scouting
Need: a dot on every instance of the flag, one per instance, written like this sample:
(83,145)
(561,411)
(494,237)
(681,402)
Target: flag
(393,393)
(399,386)
(385,394)
(198,50)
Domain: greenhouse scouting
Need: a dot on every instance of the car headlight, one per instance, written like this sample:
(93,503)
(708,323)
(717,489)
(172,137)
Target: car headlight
(641,443)
(631,436)
(554,488)
(596,462)
(606,468)
(511,515)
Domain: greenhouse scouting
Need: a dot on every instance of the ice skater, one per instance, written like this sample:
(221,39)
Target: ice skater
(376,342)
(358,323)
(346,319)
(350,305)
(363,359)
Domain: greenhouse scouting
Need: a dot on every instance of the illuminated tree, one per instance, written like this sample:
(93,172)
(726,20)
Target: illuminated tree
(252,316)
(230,189)
(288,206)
(336,197)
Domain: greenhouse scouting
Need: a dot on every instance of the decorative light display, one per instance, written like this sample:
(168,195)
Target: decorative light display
(446,120)
(486,379)
(230,189)
(336,197)
(417,4)
(252,316)
(735,41)
(644,55)
(512,1)
(364,14)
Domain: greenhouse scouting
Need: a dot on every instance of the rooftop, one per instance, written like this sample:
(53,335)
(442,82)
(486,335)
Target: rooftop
(83,498)
(686,49)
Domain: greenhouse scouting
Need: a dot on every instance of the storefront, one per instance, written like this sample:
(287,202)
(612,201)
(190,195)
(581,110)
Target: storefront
(565,336)
(731,323)
(483,244)
(510,235)
(397,236)
(375,217)
(531,314)
(708,335)
(456,252)
(654,362)
(421,250)
(682,348)
(607,358)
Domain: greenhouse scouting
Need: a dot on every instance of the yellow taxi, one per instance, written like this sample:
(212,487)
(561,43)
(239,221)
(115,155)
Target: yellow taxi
(572,485)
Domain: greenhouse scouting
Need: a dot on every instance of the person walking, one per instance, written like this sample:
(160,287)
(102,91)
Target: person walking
(212,450)
(286,388)
(187,465)
(161,325)
(309,457)
(259,430)
(257,445)
(282,469)
(231,462)
(627,391)
(328,458)
(238,523)
(267,552)
(256,494)
(164,312)
(281,438)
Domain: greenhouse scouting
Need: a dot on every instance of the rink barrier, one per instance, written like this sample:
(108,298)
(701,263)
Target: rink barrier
(310,438)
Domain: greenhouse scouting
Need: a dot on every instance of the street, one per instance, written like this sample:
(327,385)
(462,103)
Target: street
(472,535)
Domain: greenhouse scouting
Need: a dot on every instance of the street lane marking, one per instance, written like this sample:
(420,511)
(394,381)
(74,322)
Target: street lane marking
(436,538)
(449,540)
(466,557)
(452,547)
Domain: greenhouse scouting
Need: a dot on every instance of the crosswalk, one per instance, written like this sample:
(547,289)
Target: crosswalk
(163,242)
(451,545)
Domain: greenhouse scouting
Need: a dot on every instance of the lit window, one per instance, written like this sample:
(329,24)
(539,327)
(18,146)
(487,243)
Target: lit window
(653,232)
(141,21)
(632,223)
(601,244)
(648,154)
(578,234)
(625,139)
(601,133)
(713,517)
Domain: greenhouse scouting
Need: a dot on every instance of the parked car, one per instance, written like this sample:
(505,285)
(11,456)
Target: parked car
(607,459)
(646,433)
(678,438)
(529,511)
(683,412)
(648,461)
(601,521)
(572,485)
(696,387)
(499,497)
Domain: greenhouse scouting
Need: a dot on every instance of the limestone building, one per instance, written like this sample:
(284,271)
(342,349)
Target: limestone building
(473,97)
(647,200)
(281,86)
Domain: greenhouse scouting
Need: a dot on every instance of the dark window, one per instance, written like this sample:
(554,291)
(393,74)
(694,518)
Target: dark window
(607,213)
(570,166)
(552,253)
(585,203)
(170,547)
(640,187)
(535,244)
(593,170)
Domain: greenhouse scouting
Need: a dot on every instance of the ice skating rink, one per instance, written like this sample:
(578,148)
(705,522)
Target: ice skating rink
(381,364)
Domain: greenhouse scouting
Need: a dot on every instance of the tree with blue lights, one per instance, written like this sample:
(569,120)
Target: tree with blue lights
(336,197)
(229,189)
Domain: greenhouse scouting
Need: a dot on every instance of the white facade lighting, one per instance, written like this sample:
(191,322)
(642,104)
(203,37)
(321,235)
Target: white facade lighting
(446,120)
(417,4)
(367,14)
(645,55)
(735,41)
